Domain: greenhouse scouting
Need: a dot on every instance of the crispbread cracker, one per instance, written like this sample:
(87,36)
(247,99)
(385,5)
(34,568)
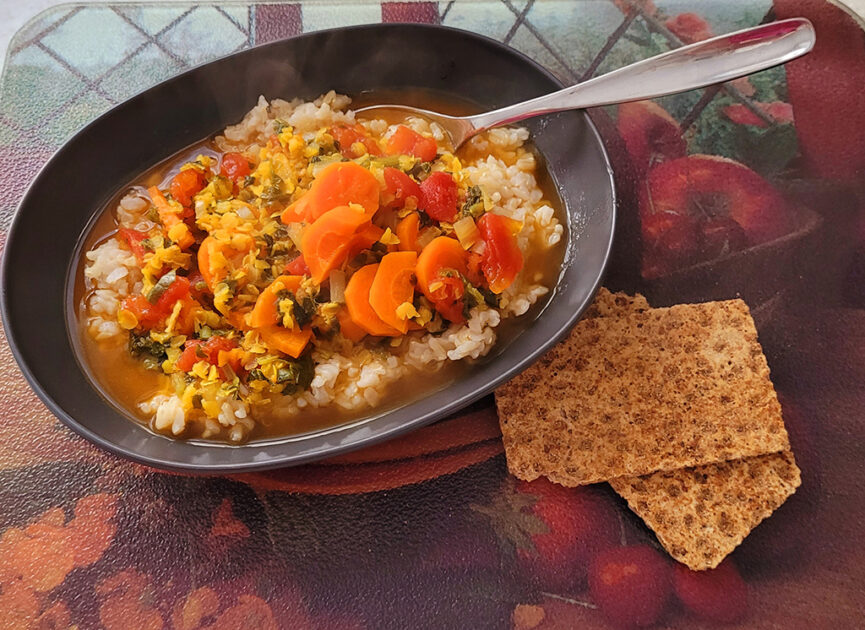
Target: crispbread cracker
(608,304)
(657,390)
(701,514)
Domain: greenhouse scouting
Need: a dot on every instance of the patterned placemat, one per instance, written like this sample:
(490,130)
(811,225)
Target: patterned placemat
(428,530)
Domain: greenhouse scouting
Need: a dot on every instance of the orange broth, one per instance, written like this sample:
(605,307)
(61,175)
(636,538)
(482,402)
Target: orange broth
(125,382)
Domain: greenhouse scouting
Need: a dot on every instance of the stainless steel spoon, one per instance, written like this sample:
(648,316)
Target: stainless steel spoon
(690,67)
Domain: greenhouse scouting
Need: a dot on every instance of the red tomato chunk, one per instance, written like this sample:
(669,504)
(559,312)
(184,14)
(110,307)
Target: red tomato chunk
(405,141)
(186,184)
(439,197)
(234,165)
(502,259)
(398,188)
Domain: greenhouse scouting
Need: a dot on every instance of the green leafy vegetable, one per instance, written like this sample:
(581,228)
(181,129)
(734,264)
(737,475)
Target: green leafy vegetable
(161,287)
(474,205)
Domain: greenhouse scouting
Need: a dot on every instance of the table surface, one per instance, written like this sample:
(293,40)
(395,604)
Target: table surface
(420,532)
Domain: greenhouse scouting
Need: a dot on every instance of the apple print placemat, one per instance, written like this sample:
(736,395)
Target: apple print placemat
(751,189)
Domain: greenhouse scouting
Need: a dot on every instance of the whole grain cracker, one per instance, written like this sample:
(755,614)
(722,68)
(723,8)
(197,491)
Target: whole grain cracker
(701,514)
(608,304)
(657,390)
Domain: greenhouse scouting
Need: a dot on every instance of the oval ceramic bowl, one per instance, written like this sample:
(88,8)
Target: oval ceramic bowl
(106,155)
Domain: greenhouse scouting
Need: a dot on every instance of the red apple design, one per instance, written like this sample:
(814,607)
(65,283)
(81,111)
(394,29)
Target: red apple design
(777,110)
(715,193)
(719,595)
(631,585)
(579,523)
(825,89)
(553,530)
(689,27)
(650,134)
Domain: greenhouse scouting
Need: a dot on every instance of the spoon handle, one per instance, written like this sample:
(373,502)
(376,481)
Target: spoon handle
(711,61)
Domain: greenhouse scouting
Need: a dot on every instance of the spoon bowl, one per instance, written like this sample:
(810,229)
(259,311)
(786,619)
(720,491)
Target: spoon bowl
(698,65)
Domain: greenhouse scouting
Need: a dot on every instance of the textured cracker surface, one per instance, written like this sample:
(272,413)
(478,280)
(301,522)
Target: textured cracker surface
(701,514)
(657,390)
(608,304)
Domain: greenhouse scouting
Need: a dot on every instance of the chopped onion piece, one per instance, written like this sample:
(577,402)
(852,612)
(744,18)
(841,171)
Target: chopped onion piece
(337,286)
(295,233)
(467,232)
(427,235)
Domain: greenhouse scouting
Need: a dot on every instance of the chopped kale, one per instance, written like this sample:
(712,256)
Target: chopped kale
(304,310)
(161,287)
(297,375)
(490,298)
(421,170)
(151,352)
(273,192)
(255,375)
(474,204)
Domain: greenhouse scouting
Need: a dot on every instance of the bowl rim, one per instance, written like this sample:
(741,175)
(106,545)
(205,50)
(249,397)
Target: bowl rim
(250,465)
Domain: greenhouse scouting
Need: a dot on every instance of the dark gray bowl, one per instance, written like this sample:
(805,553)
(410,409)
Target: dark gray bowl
(39,258)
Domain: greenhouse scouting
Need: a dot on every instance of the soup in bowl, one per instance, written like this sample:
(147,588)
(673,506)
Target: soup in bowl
(197,313)
(307,266)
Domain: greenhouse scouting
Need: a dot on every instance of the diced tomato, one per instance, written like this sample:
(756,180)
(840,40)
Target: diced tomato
(186,184)
(475,275)
(178,290)
(405,141)
(447,294)
(190,355)
(439,197)
(502,259)
(297,267)
(133,238)
(195,350)
(347,135)
(234,165)
(398,188)
(149,315)
(197,286)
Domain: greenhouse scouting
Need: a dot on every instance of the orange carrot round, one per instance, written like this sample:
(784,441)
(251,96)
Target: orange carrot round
(208,250)
(291,342)
(326,243)
(442,253)
(265,313)
(392,287)
(348,328)
(338,184)
(357,301)
(406,231)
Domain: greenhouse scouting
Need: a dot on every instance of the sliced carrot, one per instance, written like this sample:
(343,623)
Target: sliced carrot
(363,239)
(406,231)
(348,328)
(392,287)
(290,341)
(171,219)
(440,254)
(359,308)
(326,243)
(208,250)
(338,184)
(265,313)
